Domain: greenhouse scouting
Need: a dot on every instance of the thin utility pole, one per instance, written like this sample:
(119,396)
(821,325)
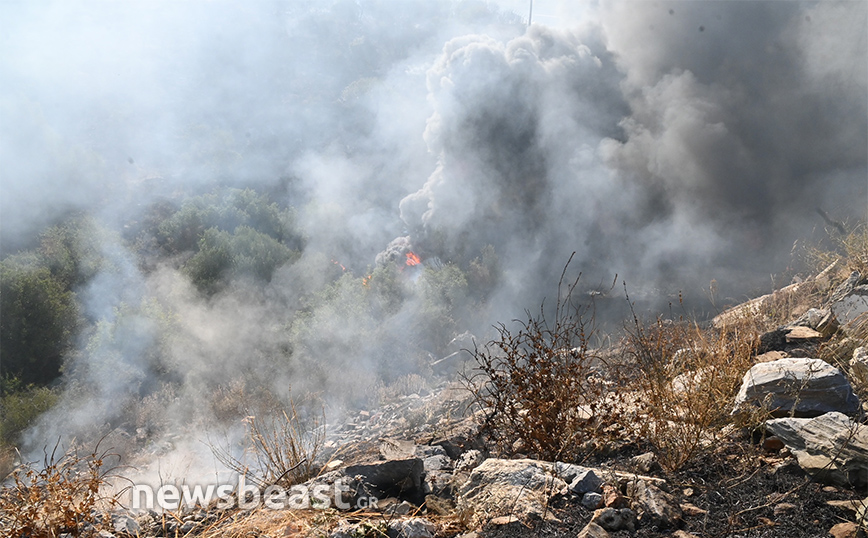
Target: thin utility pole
(530,14)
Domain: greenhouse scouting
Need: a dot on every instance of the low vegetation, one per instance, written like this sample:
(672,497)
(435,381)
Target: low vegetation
(60,495)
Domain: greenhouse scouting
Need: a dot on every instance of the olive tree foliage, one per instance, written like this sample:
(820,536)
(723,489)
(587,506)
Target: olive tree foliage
(39,315)
(230,234)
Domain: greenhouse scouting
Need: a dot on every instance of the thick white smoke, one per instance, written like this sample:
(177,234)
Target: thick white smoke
(670,143)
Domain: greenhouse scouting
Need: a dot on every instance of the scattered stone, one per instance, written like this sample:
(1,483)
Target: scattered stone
(592,530)
(125,525)
(412,528)
(586,481)
(436,463)
(801,335)
(592,500)
(800,386)
(469,460)
(615,519)
(782,508)
(831,448)
(850,299)
(822,320)
(691,510)
(397,449)
(859,365)
(645,463)
(612,498)
(772,444)
(438,483)
(770,356)
(654,507)
(846,530)
(427,451)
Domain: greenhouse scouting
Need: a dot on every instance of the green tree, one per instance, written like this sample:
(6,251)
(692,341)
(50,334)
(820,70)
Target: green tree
(38,318)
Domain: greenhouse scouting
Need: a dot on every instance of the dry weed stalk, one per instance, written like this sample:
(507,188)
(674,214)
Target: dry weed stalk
(59,497)
(283,446)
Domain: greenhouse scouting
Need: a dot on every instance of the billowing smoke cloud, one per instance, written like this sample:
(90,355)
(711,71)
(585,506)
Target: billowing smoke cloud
(670,143)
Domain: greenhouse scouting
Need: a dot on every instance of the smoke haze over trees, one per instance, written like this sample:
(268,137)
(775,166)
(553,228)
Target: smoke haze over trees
(212,193)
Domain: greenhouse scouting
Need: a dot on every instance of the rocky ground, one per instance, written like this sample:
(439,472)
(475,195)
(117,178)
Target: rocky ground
(423,465)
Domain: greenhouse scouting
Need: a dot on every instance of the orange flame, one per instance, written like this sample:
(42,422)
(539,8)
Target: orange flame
(340,264)
(412,259)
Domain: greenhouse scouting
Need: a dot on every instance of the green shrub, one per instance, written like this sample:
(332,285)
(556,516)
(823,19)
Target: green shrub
(19,408)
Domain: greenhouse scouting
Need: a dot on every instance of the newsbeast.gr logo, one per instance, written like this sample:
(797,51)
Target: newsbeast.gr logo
(245,496)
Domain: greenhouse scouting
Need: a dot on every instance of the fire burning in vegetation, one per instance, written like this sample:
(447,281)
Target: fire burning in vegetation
(413,259)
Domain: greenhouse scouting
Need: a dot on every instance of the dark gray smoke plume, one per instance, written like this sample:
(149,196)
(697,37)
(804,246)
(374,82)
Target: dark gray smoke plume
(670,143)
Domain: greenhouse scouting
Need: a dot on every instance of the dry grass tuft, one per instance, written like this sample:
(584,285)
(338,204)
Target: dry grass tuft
(282,447)
(684,379)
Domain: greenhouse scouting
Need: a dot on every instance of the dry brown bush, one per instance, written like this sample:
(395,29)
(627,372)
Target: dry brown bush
(684,378)
(540,382)
(59,496)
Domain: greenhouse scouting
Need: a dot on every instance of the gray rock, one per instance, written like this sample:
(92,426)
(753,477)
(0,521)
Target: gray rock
(654,507)
(124,524)
(802,387)
(850,301)
(437,463)
(831,448)
(592,500)
(412,528)
(469,460)
(585,482)
(519,488)
(397,449)
(438,483)
(426,451)
(645,463)
(822,320)
(392,478)
(615,519)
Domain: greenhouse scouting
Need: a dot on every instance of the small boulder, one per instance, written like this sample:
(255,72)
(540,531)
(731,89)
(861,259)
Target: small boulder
(831,448)
(518,488)
(401,478)
(802,387)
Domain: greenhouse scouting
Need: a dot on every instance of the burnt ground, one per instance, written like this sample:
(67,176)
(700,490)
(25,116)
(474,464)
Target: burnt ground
(746,493)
